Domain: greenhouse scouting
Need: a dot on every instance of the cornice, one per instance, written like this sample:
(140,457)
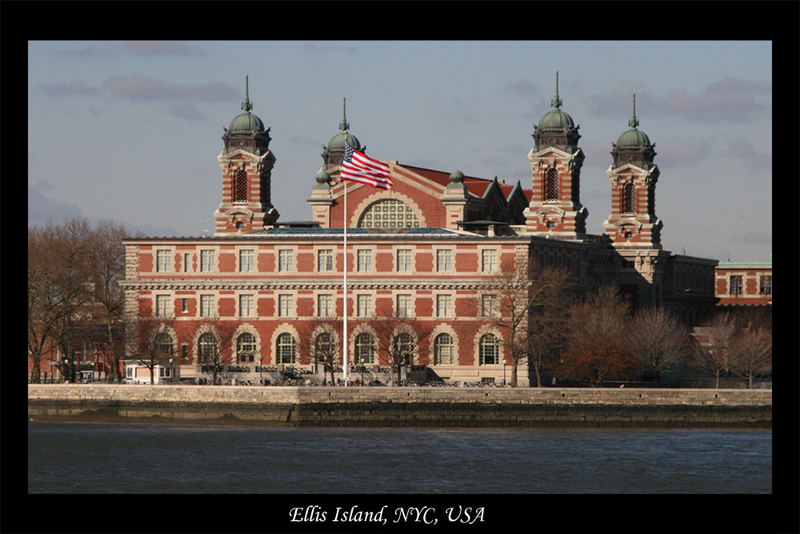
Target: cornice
(283,285)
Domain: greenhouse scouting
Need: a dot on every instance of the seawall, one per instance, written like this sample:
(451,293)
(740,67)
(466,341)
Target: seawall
(406,406)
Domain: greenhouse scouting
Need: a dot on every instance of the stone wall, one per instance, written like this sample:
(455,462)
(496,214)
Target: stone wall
(410,406)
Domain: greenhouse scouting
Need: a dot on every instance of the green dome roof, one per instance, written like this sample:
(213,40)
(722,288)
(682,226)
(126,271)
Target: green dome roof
(556,119)
(246,123)
(338,140)
(633,138)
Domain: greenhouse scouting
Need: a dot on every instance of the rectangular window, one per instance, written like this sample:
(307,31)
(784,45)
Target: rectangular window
(184,305)
(206,305)
(247,261)
(247,305)
(165,372)
(206,261)
(325,260)
(404,260)
(186,262)
(765,285)
(489,305)
(364,260)
(443,261)
(444,305)
(404,306)
(363,305)
(736,284)
(488,261)
(162,305)
(285,305)
(325,305)
(129,372)
(285,260)
(162,261)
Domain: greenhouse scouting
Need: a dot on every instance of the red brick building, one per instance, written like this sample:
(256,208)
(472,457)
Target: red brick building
(744,283)
(263,291)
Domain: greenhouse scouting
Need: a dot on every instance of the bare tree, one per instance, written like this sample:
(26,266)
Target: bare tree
(321,339)
(107,268)
(598,347)
(659,339)
(527,294)
(399,339)
(155,345)
(751,354)
(712,346)
(215,348)
(58,293)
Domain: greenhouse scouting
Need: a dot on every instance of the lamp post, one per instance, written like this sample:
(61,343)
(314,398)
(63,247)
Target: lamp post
(171,372)
(66,370)
(504,372)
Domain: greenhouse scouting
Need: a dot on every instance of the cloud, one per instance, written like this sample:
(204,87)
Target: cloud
(68,88)
(522,88)
(137,88)
(744,150)
(752,236)
(185,110)
(681,152)
(42,209)
(160,48)
(726,100)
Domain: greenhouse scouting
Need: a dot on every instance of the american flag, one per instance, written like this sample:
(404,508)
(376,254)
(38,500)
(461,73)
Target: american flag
(358,167)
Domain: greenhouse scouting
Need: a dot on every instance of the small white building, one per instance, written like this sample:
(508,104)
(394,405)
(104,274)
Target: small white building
(165,371)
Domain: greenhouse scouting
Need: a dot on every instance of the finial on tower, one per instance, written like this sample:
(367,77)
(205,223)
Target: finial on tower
(556,102)
(246,105)
(343,126)
(634,122)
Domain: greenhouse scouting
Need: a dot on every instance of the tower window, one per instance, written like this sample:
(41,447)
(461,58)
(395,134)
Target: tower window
(240,186)
(628,198)
(551,184)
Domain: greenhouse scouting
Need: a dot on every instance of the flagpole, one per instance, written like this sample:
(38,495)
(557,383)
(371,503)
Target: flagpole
(344,285)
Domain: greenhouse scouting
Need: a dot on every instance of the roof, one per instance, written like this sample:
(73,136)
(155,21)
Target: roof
(724,264)
(475,186)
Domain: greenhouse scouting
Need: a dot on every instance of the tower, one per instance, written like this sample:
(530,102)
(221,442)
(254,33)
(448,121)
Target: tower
(633,176)
(246,164)
(555,208)
(333,153)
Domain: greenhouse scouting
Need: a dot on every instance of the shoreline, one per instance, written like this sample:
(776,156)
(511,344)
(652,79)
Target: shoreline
(401,406)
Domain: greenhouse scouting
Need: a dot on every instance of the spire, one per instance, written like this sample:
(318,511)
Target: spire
(556,102)
(246,105)
(343,126)
(634,122)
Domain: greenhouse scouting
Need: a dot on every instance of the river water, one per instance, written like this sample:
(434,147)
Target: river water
(158,458)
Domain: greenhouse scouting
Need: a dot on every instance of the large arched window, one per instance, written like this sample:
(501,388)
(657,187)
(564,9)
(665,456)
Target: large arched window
(489,350)
(365,349)
(163,344)
(286,349)
(551,184)
(245,347)
(628,198)
(207,345)
(240,186)
(443,350)
(388,213)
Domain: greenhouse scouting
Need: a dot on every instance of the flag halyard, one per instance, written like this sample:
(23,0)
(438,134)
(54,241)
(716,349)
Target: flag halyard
(358,167)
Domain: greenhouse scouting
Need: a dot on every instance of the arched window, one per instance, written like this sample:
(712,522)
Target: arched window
(404,347)
(628,198)
(365,349)
(551,184)
(245,348)
(286,349)
(163,344)
(489,350)
(240,186)
(443,350)
(388,213)
(207,345)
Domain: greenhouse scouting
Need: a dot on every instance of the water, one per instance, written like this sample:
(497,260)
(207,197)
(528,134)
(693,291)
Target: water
(140,458)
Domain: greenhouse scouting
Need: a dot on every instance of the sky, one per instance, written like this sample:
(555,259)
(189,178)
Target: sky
(130,131)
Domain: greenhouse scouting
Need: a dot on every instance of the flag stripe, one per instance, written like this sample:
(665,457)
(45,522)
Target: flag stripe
(358,167)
